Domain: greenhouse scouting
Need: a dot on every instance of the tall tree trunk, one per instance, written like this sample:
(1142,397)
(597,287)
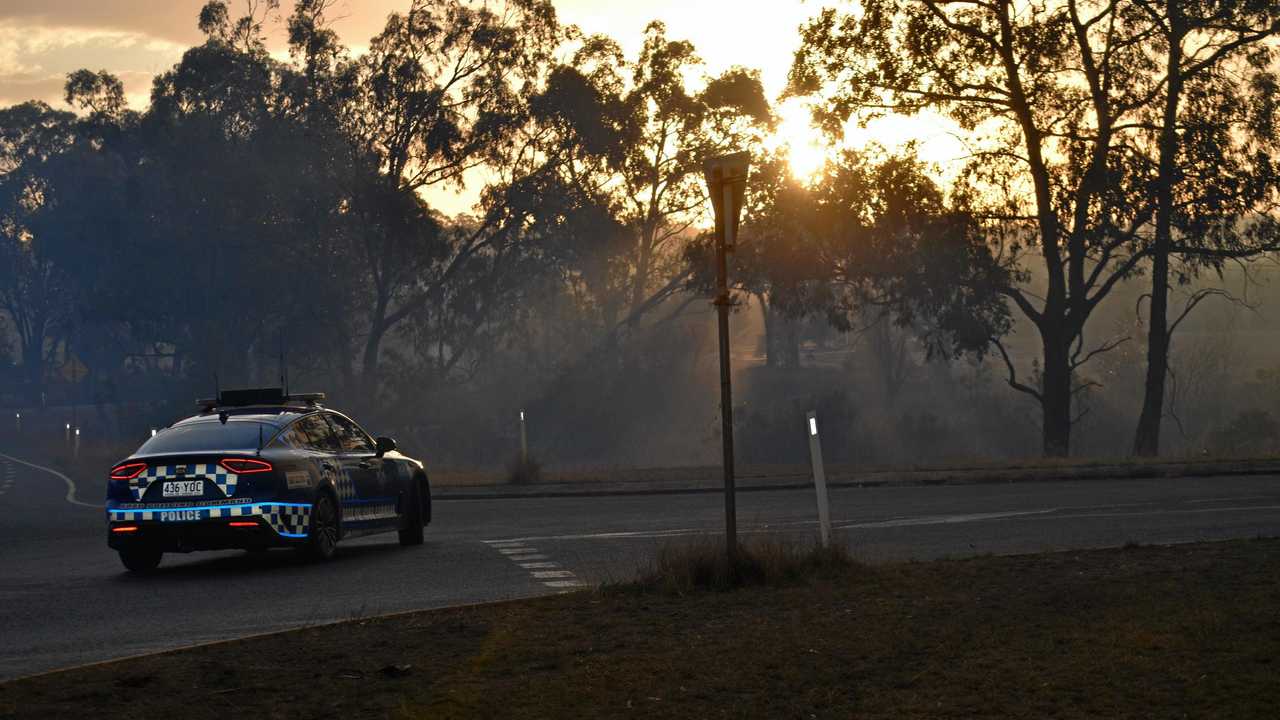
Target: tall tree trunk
(1146,441)
(1055,392)
(766,314)
(791,342)
(372,346)
(33,359)
(644,259)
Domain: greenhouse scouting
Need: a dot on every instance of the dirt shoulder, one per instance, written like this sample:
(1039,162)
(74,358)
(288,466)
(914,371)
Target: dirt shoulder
(1183,631)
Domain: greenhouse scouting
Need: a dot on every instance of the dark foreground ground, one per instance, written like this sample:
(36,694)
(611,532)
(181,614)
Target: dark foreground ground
(1141,632)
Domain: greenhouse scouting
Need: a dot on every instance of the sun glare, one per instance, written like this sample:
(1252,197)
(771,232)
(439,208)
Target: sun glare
(806,149)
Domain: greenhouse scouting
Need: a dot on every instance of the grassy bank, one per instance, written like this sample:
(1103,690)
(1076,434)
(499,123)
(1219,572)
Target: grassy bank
(1140,632)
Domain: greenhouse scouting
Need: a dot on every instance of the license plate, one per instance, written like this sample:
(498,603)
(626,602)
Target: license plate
(183,488)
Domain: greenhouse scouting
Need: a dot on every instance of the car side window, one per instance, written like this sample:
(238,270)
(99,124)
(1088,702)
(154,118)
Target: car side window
(288,438)
(350,437)
(313,433)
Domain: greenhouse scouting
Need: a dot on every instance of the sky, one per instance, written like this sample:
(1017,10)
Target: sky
(43,40)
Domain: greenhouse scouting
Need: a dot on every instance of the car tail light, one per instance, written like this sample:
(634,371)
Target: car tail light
(128,471)
(245,466)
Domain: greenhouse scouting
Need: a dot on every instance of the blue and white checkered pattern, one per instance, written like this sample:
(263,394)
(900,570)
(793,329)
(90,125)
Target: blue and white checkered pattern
(286,519)
(346,486)
(370,511)
(218,475)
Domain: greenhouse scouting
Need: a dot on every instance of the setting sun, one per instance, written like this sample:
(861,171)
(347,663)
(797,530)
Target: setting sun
(807,151)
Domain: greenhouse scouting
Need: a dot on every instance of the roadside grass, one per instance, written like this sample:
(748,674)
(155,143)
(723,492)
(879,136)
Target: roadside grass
(701,563)
(1138,632)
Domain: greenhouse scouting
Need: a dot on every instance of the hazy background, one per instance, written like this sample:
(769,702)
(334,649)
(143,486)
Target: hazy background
(453,376)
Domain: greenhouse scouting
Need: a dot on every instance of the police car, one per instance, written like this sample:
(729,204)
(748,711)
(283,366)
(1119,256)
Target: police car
(257,469)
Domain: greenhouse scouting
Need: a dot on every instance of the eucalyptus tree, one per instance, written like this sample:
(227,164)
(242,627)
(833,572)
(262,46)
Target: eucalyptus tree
(1046,93)
(246,173)
(34,291)
(1208,140)
(439,94)
(889,242)
(676,125)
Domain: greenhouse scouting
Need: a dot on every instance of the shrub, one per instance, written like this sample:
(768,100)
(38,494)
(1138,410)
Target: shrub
(1250,432)
(699,563)
(524,472)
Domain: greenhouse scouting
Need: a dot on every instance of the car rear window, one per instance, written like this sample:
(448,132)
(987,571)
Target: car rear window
(197,437)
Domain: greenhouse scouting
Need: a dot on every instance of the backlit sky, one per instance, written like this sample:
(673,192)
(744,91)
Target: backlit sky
(43,40)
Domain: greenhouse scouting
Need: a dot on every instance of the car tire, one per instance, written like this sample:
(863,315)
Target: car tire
(411,533)
(141,560)
(322,536)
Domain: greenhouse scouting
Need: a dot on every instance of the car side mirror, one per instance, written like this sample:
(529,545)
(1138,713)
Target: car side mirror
(385,445)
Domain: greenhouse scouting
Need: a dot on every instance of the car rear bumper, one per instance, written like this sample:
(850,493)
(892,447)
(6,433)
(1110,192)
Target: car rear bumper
(208,527)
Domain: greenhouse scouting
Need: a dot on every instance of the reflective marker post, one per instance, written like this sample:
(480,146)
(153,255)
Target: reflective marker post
(726,178)
(76,451)
(524,443)
(819,479)
(17,421)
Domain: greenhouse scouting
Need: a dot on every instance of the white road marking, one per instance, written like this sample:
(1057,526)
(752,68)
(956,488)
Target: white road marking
(517,552)
(71,486)
(607,535)
(1196,511)
(945,519)
(546,574)
(1225,499)
(564,583)
(1053,513)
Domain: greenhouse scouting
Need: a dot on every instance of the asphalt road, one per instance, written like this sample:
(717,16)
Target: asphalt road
(65,600)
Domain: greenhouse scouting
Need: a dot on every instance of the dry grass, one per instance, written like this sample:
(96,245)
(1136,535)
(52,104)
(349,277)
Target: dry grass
(1143,632)
(524,471)
(701,563)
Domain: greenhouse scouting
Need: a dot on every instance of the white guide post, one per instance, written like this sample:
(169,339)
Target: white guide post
(524,442)
(819,478)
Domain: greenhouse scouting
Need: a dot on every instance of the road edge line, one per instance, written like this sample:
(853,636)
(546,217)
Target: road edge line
(71,485)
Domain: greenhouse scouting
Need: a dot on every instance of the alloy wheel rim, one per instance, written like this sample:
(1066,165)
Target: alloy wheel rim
(326,530)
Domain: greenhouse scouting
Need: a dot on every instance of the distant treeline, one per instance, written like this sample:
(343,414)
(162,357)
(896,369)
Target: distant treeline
(261,213)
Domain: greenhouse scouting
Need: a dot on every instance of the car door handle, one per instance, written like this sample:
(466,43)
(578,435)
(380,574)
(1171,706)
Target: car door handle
(365,465)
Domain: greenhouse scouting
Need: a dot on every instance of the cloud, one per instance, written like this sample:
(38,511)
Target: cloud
(175,20)
(170,20)
(41,41)
(35,59)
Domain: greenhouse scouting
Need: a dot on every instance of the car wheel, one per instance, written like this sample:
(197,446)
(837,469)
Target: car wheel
(141,560)
(411,533)
(322,540)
